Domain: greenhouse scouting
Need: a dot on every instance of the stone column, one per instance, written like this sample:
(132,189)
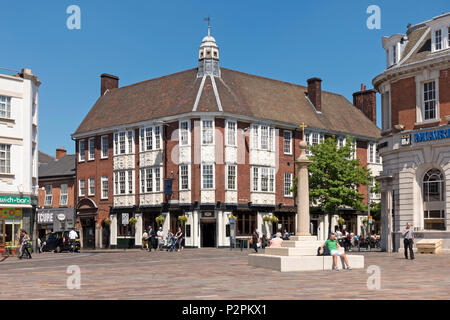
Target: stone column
(113,231)
(138,230)
(303,218)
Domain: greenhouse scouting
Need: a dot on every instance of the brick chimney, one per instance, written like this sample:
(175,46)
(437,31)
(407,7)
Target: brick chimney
(366,101)
(108,82)
(60,152)
(315,92)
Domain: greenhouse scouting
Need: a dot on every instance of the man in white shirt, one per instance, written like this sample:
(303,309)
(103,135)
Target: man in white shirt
(73,235)
(160,237)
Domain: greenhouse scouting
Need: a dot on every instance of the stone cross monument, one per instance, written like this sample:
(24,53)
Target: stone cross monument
(303,219)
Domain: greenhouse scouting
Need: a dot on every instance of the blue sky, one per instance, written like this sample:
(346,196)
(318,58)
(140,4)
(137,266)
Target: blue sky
(138,40)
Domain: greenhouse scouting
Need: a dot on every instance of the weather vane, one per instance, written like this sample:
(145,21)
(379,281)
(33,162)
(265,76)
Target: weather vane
(209,24)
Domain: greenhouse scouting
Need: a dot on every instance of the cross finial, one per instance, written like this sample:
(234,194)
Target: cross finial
(303,126)
(209,25)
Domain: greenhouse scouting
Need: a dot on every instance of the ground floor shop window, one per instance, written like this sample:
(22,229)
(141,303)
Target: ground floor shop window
(433,187)
(285,221)
(122,228)
(12,231)
(245,223)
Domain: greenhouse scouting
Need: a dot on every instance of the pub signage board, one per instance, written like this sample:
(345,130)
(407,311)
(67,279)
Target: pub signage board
(431,135)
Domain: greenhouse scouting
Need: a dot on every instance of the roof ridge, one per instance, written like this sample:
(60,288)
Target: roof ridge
(281,81)
(154,79)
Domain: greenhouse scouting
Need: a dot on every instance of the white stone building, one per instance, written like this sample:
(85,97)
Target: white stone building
(415,143)
(19,96)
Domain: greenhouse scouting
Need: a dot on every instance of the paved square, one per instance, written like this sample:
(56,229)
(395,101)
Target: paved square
(215,274)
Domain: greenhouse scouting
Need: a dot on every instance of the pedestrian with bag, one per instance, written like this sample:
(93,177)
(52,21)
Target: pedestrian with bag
(255,240)
(24,244)
(145,240)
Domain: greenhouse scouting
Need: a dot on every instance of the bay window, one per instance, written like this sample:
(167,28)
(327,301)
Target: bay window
(150,180)
(184,133)
(207,176)
(263,179)
(207,132)
(124,142)
(124,182)
(230,133)
(150,138)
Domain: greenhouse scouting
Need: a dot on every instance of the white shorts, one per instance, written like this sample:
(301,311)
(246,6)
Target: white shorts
(335,252)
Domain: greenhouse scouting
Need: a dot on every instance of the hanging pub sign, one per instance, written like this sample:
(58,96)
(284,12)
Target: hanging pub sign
(11,213)
(168,186)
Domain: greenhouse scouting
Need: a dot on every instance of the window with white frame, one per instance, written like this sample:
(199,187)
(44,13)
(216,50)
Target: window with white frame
(341,142)
(48,195)
(91,186)
(63,194)
(255,136)
(91,149)
(438,40)
(124,142)
(313,139)
(371,151)
(124,182)
(5,158)
(377,155)
(287,184)
(81,187)
(104,187)
(255,174)
(150,138)
(184,177)
(207,176)
(104,147)
(287,143)
(5,107)
(263,137)
(150,180)
(353,149)
(429,100)
(231,133)
(81,150)
(231,176)
(263,179)
(184,133)
(207,132)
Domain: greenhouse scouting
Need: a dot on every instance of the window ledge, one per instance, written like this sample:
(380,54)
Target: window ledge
(7,120)
(7,175)
(104,158)
(153,192)
(431,121)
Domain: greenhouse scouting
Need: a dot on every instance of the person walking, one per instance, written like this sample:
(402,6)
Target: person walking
(160,237)
(73,235)
(39,245)
(408,240)
(24,244)
(255,240)
(179,236)
(151,235)
(145,240)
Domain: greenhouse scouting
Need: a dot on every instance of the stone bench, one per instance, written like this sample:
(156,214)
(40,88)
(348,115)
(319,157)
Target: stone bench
(433,246)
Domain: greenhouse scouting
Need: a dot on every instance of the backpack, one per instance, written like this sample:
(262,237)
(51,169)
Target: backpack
(324,252)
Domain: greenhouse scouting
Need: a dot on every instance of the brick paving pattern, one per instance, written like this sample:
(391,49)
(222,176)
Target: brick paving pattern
(215,274)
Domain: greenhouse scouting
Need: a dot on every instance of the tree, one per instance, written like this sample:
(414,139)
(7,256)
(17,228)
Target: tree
(334,177)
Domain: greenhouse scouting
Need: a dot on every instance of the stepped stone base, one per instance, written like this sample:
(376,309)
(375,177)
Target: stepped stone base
(300,254)
(301,263)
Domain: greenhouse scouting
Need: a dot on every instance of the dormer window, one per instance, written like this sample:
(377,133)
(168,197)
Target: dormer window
(438,40)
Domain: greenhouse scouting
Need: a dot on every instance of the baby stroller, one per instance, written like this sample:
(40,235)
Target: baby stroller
(171,245)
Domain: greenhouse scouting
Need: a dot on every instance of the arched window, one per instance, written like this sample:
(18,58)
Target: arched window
(433,200)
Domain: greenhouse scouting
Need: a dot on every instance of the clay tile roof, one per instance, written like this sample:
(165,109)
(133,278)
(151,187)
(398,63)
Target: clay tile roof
(240,93)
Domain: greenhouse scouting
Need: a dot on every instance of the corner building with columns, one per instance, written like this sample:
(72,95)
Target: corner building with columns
(415,142)
(208,143)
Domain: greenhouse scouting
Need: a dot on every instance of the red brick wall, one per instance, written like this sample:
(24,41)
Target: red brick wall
(243,170)
(286,164)
(444,94)
(219,140)
(56,192)
(403,102)
(96,169)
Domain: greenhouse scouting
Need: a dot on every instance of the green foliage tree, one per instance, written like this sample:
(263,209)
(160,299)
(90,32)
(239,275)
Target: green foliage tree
(334,177)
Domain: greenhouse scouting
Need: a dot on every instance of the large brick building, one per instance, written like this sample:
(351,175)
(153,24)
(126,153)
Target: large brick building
(225,140)
(415,143)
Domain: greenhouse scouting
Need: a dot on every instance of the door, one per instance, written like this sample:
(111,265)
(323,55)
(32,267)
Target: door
(208,234)
(88,227)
